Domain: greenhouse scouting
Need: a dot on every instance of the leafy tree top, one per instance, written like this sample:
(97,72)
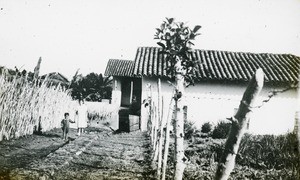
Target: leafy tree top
(92,87)
(175,39)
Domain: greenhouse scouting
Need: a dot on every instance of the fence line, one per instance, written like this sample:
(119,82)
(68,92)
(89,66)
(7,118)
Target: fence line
(159,130)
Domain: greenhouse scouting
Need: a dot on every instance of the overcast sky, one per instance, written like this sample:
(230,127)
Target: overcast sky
(84,34)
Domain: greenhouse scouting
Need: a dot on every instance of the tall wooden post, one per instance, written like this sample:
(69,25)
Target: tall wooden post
(179,122)
(167,140)
(297,116)
(161,121)
(158,121)
(239,123)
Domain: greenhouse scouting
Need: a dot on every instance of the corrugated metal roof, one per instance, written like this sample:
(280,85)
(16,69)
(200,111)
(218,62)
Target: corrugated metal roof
(222,65)
(117,67)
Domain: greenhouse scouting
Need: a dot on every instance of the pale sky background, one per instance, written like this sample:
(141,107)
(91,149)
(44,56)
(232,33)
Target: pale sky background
(84,34)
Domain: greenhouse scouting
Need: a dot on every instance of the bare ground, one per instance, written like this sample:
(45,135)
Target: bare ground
(97,154)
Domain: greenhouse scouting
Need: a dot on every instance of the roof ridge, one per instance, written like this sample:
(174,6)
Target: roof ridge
(223,65)
(120,59)
(228,51)
(119,67)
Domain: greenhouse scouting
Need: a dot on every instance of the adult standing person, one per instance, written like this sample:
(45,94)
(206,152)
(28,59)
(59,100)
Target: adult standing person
(82,117)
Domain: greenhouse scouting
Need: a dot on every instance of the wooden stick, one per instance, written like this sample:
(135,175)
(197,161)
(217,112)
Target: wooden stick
(167,141)
(162,124)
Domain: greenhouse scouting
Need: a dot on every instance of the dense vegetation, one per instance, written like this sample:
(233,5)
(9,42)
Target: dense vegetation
(92,87)
(259,156)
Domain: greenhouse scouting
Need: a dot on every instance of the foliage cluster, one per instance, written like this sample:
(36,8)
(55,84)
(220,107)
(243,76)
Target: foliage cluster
(221,130)
(92,87)
(206,127)
(176,41)
(189,129)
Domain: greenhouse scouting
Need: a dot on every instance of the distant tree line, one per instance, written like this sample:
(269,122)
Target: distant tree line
(16,72)
(92,87)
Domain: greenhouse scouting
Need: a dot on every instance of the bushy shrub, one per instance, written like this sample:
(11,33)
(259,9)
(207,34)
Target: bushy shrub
(206,127)
(189,129)
(221,130)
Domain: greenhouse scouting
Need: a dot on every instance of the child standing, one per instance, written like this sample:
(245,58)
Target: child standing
(65,125)
(81,117)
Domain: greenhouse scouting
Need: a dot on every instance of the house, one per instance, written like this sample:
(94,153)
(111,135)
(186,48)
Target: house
(53,78)
(56,78)
(221,79)
(125,85)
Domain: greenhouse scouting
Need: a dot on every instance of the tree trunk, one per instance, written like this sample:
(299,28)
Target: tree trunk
(239,123)
(179,123)
(167,142)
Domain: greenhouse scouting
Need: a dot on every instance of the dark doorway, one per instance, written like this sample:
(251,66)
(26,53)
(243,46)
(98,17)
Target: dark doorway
(137,89)
(126,91)
(130,87)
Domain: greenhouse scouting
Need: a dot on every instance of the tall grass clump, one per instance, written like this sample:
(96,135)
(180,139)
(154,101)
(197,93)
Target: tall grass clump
(259,157)
(270,152)
(25,104)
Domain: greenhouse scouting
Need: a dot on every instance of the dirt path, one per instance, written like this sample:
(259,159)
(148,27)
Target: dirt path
(94,155)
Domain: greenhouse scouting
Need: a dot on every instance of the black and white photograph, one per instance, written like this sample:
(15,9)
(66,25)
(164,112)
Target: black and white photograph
(140,89)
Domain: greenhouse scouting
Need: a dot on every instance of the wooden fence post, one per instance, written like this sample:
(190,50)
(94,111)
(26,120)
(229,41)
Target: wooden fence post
(297,118)
(239,123)
(158,121)
(167,140)
(162,124)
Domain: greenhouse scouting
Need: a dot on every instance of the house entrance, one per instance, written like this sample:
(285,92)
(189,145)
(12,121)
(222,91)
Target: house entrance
(126,92)
(130,87)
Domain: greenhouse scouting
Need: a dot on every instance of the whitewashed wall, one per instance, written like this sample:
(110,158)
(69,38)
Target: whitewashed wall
(116,92)
(211,102)
(105,107)
(109,112)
